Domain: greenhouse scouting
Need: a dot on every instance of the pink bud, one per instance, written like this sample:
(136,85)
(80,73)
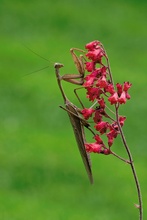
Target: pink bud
(106,151)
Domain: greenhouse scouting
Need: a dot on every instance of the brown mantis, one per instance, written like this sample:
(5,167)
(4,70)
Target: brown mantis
(77,122)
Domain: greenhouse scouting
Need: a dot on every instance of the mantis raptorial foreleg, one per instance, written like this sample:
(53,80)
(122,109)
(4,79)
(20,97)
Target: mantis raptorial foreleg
(79,63)
(77,125)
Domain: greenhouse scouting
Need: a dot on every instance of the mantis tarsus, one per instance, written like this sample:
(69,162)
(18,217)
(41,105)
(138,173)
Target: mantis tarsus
(76,121)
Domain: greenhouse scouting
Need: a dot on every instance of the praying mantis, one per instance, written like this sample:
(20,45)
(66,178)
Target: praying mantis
(77,122)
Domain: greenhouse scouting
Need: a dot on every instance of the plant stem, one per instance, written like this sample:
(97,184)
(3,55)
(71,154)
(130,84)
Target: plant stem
(128,152)
(132,167)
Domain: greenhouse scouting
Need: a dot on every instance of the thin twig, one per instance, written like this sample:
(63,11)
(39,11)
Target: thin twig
(132,167)
(124,160)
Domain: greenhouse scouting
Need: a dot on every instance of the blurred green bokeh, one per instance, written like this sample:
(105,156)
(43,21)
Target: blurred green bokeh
(41,172)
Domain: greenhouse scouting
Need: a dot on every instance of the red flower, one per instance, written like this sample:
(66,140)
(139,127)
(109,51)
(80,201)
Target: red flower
(110,89)
(92,45)
(102,82)
(102,103)
(96,73)
(97,117)
(111,135)
(119,89)
(98,139)
(93,93)
(128,96)
(103,71)
(95,55)
(122,120)
(113,98)
(99,72)
(127,86)
(87,112)
(106,151)
(122,98)
(101,126)
(90,66)
(93,147)
(89,81)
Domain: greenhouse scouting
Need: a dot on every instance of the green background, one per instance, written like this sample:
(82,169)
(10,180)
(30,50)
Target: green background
(41,172)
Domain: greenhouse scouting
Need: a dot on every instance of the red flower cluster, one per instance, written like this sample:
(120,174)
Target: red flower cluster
(100,88)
